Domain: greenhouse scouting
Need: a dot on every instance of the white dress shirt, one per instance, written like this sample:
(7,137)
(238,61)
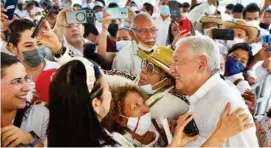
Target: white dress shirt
(166,105)
(243,85)
(127,60)
(207,105)
(162,33)
(195,14)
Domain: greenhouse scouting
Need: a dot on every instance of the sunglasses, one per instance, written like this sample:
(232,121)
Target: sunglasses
(149,67)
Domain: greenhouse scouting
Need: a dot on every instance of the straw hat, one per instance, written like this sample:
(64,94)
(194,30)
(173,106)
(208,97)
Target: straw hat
(240,23)
(161,57)
(209,19)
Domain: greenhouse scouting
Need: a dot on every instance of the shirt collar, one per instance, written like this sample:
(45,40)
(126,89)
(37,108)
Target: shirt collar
(235,77)
(205,88)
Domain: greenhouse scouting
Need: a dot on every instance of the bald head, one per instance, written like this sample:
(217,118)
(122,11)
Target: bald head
(141,19)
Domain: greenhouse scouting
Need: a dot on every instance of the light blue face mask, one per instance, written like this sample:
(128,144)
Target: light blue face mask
(147,89)
(99,16)
(164,10)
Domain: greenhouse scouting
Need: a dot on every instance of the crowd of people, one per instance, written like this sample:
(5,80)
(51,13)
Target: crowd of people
(134,82)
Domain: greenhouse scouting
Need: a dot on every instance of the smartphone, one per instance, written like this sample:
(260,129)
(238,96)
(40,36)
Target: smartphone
(82,16)
(118,13)
(10,6)
(191,129)
(184,24)
(223,34)
(266,39)
(174,10)
(44,16)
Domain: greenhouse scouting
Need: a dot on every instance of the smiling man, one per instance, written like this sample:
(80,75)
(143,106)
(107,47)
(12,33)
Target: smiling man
(196,64)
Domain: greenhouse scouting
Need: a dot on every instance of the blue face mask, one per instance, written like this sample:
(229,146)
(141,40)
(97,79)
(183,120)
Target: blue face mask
(99,16)
(233,66)
(164,10)
(147,89)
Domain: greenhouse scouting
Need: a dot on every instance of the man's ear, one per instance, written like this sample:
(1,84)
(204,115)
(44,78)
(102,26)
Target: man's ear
(96,104)
(131,32)
(203,63)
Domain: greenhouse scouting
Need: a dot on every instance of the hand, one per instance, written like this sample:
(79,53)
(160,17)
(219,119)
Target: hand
(265,55)
(61,17)
(231,124)
(106,20)
(4,19)
(47,37)
(180,35)
(180,138)
(13,136)
(250,99)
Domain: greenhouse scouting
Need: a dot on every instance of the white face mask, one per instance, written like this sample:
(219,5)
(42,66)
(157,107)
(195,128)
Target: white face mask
(122,43)
(184,14)
(147,49)
(211,10)
(254,23)
(143,47)
(143,125)
(230,43)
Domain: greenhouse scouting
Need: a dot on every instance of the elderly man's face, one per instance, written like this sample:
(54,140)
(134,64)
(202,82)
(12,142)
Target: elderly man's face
(145,32)
(185,68)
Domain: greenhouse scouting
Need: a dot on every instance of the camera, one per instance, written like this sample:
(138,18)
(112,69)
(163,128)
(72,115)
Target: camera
(83,16)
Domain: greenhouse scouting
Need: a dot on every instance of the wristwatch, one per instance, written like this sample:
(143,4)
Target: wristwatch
(36,139)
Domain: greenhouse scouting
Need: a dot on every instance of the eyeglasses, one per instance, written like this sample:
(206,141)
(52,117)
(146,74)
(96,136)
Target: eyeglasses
(149,67)
(146,31)
(19,81)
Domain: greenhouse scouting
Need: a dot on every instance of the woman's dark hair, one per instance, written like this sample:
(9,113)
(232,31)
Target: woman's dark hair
(6,61)
(252,7)
(245,47)
(119,93)
(89,53)
(148,7)
(102,1)
(16,28)
(73,121)
(29,4)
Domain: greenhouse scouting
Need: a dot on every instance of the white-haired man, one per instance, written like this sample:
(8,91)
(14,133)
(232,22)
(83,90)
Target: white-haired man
(196,63)
(144,38)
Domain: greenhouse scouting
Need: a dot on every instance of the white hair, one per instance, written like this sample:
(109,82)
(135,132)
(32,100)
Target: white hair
(203,45)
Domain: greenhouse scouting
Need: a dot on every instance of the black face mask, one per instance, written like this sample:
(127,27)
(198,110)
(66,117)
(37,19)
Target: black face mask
(264,26)
(20,6)
(113,29)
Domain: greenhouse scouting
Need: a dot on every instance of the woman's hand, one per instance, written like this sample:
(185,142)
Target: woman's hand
(232,124)
(180,35)
(47,37)
(13,136)
(180,138)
